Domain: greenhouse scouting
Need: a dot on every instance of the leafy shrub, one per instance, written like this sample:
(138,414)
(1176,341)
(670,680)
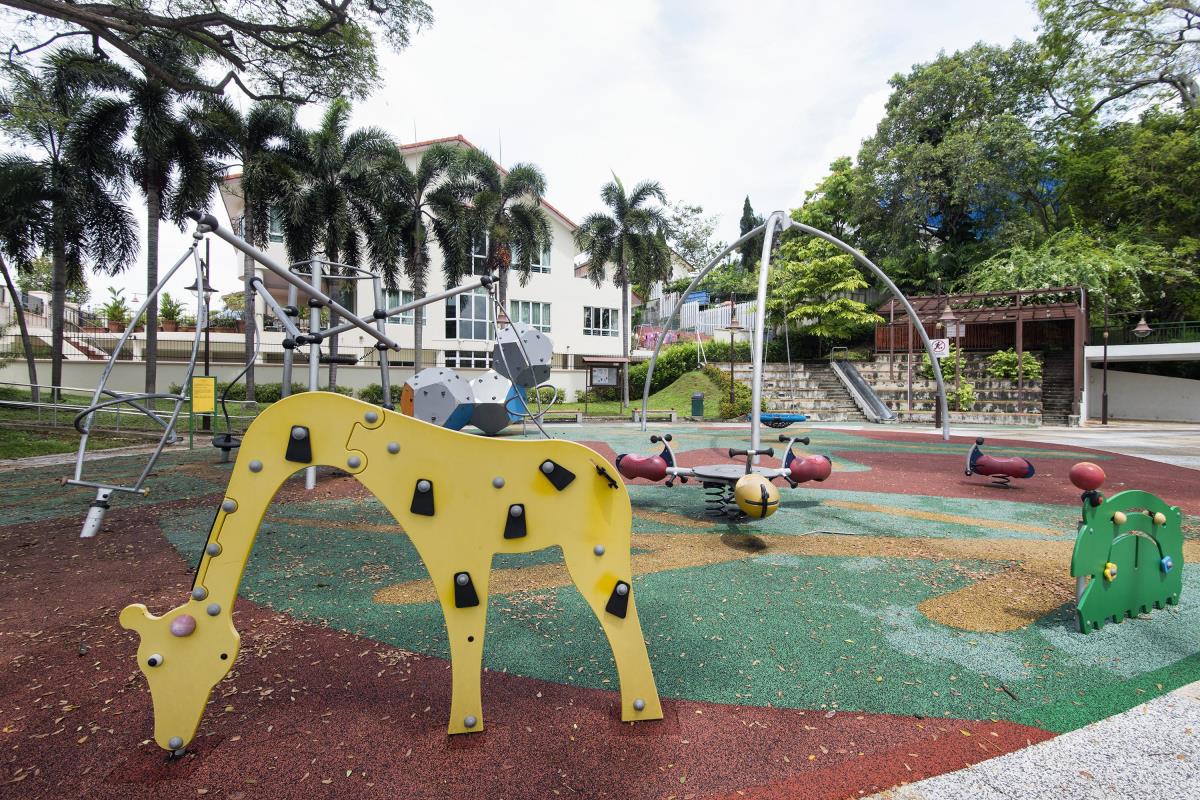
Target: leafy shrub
(742,394)
(372,394)
(926,369)
(962,398)
(1002,365)
(545,394)
(598,394)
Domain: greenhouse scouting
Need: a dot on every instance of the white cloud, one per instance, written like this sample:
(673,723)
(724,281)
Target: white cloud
(714,99)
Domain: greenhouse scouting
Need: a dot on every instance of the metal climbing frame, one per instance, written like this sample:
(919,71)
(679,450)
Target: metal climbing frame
(83,420)
(775,225)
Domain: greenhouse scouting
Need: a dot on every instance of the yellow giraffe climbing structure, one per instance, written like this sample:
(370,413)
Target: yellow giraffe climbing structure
(460,498)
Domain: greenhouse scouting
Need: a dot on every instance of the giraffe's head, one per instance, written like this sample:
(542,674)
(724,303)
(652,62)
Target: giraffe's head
(183,655)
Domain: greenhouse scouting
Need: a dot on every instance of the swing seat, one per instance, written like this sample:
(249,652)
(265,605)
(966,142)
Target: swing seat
(779,419)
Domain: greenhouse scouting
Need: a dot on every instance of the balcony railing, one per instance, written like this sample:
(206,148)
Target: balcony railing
(1160,333)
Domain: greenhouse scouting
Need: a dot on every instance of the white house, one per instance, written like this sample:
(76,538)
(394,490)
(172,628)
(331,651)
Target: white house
(582,320)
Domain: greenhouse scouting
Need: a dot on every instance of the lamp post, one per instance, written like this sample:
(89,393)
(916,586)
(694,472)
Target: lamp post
(949,323)
(734,327)
(1141,331)
(207,289)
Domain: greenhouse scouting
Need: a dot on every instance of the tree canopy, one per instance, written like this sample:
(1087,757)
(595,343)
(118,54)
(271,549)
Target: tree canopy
(300,51)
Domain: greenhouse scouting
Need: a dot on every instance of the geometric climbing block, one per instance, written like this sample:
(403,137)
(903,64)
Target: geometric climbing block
(522,354)
(494,396)
(439,396)
(1128,557)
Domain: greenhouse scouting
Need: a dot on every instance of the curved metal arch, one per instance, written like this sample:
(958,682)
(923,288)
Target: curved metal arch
(784,222)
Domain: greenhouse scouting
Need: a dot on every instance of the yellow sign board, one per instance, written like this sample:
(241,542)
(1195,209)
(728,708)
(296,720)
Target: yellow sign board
(204,395)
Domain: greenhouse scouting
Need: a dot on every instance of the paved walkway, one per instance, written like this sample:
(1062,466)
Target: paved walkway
(1151,752)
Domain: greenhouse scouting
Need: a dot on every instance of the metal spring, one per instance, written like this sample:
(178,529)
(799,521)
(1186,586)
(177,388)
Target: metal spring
(719,501)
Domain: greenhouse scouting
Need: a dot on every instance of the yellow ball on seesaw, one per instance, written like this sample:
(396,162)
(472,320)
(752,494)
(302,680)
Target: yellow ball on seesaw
(1119,517)
(1160,518)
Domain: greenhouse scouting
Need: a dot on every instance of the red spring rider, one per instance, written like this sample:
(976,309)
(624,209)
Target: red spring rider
(1001,469)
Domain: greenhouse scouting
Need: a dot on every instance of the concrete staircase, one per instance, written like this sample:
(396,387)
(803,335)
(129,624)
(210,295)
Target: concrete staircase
(997,401)
(1058,373)
(809,388)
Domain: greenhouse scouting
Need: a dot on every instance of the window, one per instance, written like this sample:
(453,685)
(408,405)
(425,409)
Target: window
(540,262)
(469,315)
(479,251)
(536,314)
(470,359)
(401,298)
(600,321)
(275,226)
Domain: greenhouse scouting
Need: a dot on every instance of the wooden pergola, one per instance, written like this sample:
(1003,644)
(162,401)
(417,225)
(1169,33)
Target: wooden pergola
(1032,319)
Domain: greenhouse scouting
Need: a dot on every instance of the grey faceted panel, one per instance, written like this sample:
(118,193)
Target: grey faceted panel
(492,392)
(527,363)
(439,396)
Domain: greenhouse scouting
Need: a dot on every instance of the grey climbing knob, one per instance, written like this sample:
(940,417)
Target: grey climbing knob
(229,506)
(175,743)
(470,722)
(299,433)
(371,416)
(598,549)
(213,609)
(199,593)
(622,589)
(515,511)
(498,482)
(256,466)
(213,549)
(393,447)
(423,486)
(547,467)
(462,579)
(639,705)
(353,462)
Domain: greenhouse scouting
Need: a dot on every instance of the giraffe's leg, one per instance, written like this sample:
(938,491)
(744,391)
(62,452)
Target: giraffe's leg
(597,572)
(461,581)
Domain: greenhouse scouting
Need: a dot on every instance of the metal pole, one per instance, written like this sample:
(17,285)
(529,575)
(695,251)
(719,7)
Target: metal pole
(1104,382)
(484,282)
(290,353)
(776,219)
(206,419)
(384,371)
(314,354)
(731,375)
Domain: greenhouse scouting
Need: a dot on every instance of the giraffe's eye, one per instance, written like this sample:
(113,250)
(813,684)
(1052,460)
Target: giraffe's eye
(154,660)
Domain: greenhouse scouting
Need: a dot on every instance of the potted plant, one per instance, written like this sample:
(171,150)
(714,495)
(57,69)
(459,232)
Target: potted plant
(170,311)
(116,310)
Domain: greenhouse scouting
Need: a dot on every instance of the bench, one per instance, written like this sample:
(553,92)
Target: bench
(660,415)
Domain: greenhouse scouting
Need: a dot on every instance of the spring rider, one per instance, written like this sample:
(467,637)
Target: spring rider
(1001,469)
(1128,553)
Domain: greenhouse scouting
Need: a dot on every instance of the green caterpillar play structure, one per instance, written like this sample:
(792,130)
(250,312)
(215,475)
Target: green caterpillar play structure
(1128,554)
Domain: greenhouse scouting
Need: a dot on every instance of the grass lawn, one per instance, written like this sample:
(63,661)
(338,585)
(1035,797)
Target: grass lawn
(20,443)
(677,396)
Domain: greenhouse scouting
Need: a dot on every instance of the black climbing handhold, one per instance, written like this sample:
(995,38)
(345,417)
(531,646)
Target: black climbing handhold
(603,473)
(299,446)
(618,601)
(514,522)
(557,474)
(464,591)
(422,501)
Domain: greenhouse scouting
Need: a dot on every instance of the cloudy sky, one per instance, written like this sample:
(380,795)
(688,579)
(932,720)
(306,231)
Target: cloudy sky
(714,101)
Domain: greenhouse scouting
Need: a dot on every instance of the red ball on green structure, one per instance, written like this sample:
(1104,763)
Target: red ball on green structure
(1087,476)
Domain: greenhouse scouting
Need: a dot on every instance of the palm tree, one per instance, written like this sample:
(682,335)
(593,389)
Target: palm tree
(174,164)
(331,194)
(416,202)
(260,141)
(26,218)
(504,209)
(80,178)
(633,239)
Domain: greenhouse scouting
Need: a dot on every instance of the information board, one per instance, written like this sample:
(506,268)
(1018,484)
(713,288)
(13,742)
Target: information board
(204,395)
(604,376)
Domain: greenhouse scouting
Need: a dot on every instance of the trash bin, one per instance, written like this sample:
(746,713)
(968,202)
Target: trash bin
(698,405)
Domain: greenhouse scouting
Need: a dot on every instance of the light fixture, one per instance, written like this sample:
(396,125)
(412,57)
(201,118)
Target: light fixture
(208,289)
(1142,330)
